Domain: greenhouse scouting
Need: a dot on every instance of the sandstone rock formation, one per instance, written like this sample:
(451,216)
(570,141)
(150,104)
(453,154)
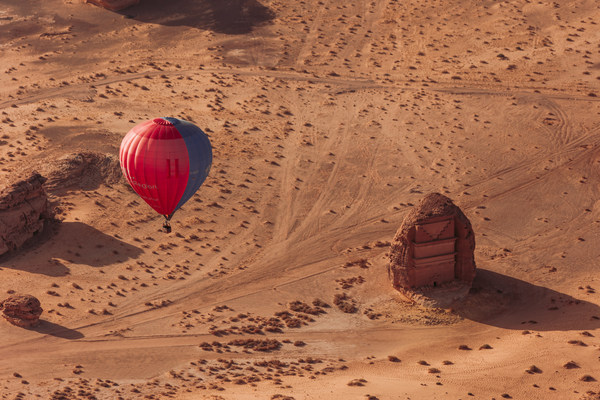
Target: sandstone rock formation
(21,310)
(433,247)
(114,5)
(84,170)
(23,211)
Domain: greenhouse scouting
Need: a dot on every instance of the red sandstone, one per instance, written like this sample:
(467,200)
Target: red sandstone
(433,246)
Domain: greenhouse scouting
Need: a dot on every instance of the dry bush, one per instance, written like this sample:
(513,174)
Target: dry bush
(320,303)
(533,370)
(299,306)
(571,365)
(357,382)
(345,303)
(257,344)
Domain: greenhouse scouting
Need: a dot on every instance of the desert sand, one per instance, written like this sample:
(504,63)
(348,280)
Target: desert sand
(328,120)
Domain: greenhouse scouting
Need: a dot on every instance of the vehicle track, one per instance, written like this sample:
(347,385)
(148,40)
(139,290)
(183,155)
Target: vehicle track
(84,90)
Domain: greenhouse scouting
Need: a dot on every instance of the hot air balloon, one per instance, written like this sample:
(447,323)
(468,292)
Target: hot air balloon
(165,160)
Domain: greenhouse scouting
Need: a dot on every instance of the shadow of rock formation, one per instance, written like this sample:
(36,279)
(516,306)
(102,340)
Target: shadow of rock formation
(50,328)
(233,17)
(71,242)
(510,303)
(83,244)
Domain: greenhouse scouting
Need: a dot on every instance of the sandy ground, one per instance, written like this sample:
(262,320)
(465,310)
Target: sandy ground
(328,120)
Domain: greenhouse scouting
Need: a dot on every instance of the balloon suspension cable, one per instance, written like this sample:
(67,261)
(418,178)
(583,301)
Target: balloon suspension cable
(167,223)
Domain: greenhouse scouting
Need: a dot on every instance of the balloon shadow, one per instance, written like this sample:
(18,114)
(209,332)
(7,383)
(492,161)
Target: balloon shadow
(52,329)
(506,302)
(69,242)
(233,17)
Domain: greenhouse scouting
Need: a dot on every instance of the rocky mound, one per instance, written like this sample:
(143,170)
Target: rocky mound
(86,170)
(21,310)
(23,211)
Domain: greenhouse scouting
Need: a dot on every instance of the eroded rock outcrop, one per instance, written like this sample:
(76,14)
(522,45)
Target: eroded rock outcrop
(22,310)
(24,210)
(114,5)
(434,247)
(84,170)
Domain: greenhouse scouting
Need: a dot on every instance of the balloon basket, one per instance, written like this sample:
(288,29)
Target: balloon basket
(167,227)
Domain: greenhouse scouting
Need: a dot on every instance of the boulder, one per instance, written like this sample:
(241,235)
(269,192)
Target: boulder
(434,247)
(23,211)
(22,310)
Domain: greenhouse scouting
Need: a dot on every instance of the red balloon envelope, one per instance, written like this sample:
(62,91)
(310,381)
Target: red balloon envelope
(165,161)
